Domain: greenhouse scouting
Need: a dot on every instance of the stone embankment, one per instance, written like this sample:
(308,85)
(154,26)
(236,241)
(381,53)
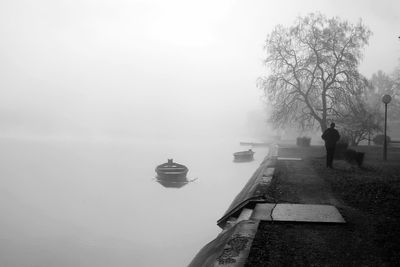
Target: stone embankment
(300,196)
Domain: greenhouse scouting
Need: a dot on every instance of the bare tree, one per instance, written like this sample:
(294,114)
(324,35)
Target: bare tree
(360,120)
(382,84)
(313,69)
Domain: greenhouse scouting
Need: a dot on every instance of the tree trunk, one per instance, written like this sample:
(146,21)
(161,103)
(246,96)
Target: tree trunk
(322,123)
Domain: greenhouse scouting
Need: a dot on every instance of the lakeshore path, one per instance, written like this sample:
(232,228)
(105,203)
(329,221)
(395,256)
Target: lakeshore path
(298,181)
(311,244)
(296,212)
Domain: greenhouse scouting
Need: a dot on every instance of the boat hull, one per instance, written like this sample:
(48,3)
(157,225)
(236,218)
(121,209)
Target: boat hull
(243,156)
(172,174)
(176,176)
(172,183)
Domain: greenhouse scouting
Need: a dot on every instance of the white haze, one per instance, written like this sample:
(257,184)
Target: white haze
(152,68)
(95,94)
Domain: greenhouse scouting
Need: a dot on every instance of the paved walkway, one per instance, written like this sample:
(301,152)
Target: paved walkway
(310,244)
(285,188)
(299,183)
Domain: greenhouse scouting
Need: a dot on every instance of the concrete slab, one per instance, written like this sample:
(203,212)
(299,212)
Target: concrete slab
(307,213)
(244,215)
(294,159)
(268,171)
(237,246)
(265,180)
(274,150)
(263,211)
(230,248)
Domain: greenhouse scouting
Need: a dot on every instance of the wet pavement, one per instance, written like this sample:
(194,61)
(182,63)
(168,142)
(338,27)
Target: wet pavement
(299,183)
(299,196)
(307,213)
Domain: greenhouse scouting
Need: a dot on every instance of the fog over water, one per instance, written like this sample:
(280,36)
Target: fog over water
(95,94)
(97,203)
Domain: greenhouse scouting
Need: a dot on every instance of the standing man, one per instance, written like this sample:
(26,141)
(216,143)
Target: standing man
(330,136)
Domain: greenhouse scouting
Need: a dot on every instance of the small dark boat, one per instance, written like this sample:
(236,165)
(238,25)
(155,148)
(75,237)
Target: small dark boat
(244,155)
(172,171)
(172,184)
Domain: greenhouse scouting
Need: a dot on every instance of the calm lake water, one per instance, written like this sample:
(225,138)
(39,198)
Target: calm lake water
(96,203)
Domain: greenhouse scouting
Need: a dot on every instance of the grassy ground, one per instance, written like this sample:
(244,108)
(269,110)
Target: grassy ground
(367,197)
(373,192)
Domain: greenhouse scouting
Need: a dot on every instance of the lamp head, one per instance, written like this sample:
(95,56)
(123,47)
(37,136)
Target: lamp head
(386,99)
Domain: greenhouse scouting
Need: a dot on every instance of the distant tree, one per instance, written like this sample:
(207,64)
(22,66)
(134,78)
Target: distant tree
(396,77)
(313,69)
(396,87)
(382,84)
(361,121)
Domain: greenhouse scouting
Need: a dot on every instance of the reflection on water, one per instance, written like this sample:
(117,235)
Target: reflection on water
(75,203)
(173,184)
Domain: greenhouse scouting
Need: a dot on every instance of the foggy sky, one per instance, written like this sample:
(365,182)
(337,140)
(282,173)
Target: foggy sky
(153,68)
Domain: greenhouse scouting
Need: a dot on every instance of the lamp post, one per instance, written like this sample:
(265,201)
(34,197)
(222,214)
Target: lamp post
(369,129)
(386,100)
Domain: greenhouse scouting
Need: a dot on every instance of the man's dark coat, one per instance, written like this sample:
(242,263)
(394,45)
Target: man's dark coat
(330,136)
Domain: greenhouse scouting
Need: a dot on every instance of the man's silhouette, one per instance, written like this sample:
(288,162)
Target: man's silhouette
(330,136)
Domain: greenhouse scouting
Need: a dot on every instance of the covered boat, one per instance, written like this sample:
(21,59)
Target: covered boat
(244,155)
(172,172)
